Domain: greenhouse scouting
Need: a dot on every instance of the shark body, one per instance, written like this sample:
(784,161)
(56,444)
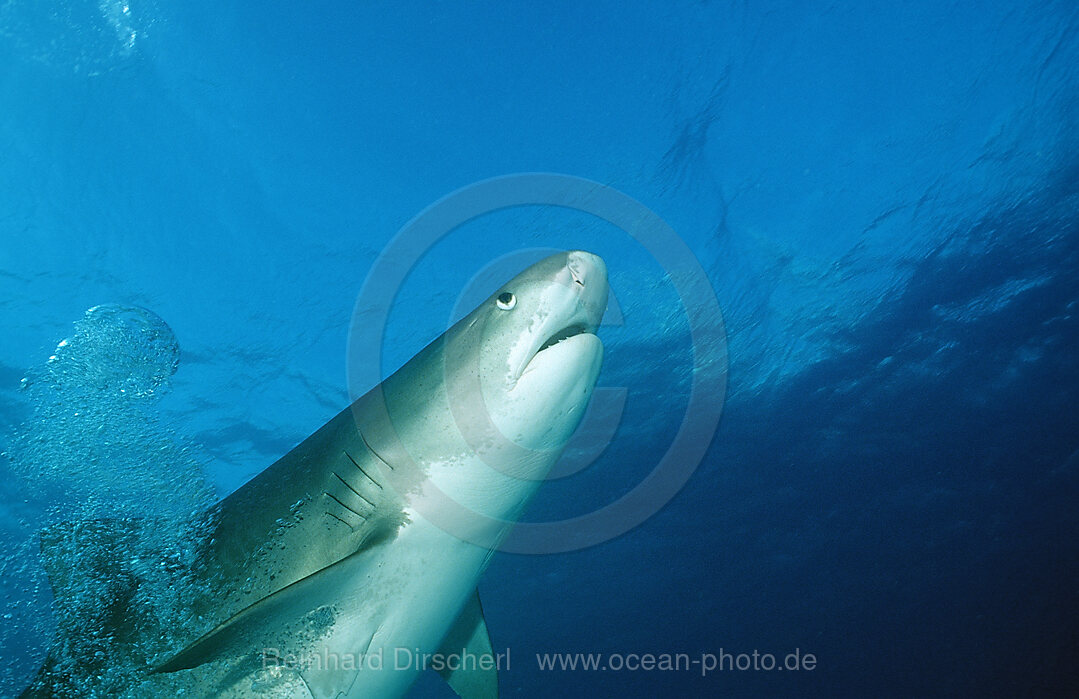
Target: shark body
(340,568)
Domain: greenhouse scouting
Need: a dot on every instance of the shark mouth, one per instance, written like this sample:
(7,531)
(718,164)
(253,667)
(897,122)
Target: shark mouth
(570,331)
(564,334)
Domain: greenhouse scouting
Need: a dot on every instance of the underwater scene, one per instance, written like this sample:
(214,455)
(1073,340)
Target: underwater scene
(563,349)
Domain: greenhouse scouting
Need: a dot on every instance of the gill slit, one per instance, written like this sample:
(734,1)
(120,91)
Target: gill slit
(341,520)
(354,491)
(377,455)
(330,495)
(357,465)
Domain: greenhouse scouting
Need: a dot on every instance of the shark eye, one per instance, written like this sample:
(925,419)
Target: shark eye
(506,301)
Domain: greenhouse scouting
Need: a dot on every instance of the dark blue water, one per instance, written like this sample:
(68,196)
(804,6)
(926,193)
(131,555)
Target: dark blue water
(884,197)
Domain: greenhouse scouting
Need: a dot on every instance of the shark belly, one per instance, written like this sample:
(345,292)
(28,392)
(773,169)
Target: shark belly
(391,606)
(395,610)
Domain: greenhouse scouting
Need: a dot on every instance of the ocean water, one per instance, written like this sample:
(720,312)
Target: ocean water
(198,199)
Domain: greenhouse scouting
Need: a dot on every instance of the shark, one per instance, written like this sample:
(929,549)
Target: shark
(351,564)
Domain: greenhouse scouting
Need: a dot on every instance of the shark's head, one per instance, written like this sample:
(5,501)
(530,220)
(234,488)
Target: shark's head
(485,410)
(532,352)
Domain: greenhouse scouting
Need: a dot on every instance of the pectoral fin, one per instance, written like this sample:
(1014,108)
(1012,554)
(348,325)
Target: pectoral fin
(285,621)
(476,676)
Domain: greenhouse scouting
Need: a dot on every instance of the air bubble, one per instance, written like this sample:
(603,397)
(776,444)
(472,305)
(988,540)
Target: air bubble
(121,350)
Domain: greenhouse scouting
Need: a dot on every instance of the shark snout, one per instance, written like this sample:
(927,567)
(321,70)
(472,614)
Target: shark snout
(589,273)
(584,267)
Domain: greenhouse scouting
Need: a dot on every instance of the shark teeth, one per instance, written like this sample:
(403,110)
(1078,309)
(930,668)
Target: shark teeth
(562,335)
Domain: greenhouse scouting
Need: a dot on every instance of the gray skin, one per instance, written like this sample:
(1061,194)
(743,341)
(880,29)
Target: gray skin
(372,533)
(328,497)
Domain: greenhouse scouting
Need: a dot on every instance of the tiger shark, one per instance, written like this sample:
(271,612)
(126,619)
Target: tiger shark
(351,563)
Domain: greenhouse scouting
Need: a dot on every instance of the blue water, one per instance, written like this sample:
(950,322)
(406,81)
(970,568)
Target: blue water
(884,196)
